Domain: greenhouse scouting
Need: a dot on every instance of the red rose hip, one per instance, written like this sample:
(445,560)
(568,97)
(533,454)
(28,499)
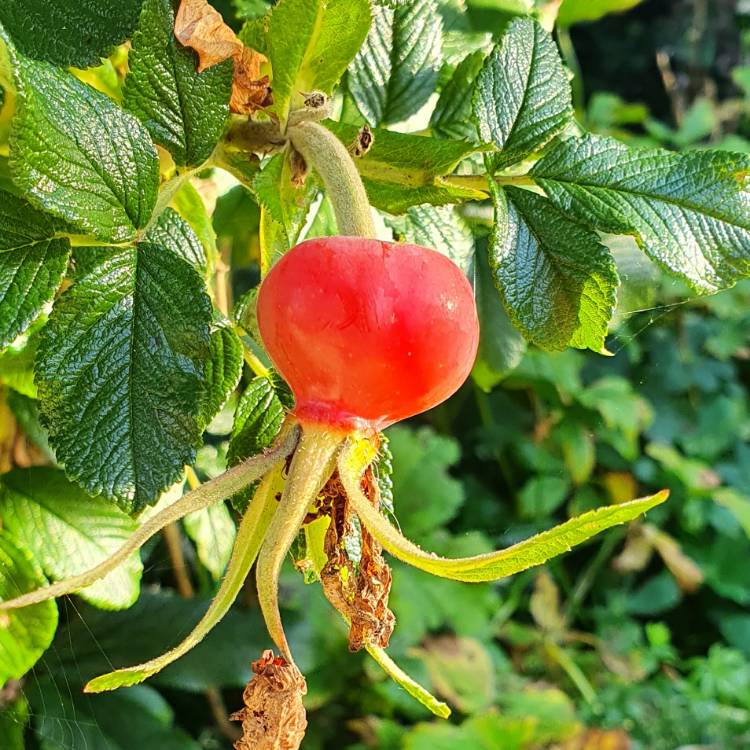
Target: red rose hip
(366,332)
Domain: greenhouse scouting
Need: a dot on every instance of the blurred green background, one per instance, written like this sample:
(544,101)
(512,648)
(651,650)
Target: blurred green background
(639,640)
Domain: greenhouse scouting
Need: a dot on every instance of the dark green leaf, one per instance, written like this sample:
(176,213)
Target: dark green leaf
(69,532)
(451,117)
(223,371)
(690,212)
(557,280)
(522,97)
(121,376)
(185,111)
(32,265)
(13,720)
(69,32)
(396,70)
(401,170)
(80,157)
(174,233)
(25,633)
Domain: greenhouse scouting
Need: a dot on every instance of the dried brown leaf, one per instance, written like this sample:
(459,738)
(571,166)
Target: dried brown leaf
(250,90)
(273,717)
(201,27)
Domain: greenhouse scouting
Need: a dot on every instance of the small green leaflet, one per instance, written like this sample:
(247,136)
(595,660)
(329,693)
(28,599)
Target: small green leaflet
(173,232)
(121,374)
(213,532)
(223,370)
(13,720)
(25,633)
(32,265)
(396,71)
(576,11)
(309,43)
(400,170)
(558,282)
(69,32)
(690,212)
(79,156)
(189,204)
(451,117)
(69,532)
(522,97)
(185,111)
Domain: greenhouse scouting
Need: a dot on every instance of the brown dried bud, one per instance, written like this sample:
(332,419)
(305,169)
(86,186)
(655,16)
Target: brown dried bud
(363,143)
(298,167)
(315,99)
(273,717)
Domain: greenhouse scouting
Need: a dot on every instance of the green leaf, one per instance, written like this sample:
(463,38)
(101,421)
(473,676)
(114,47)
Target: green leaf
(13,721)
(69,532)
(310,43)
(185,111)
(213,532)
(689,212)
(223,371)
(737,503)
(172,232)
(541,496)
(25,633)
(189,204)
(79,156)
(69,32)
(558,282)
(396,70)
(32,265)
(575,11)
(121,376)
(522,97)
(66,720)
(491,566)
(501,346)
(451,117)
(438,227)
(400,170)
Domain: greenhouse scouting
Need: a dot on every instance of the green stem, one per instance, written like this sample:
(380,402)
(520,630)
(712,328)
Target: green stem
(311,467)
(323,151)
(211,492)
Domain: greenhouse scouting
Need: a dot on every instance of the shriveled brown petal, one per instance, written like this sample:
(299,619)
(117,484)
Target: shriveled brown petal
(201,27)
(250,90)
(273,717)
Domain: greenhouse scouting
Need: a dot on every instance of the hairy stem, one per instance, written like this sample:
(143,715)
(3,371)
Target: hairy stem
(217,489)
(325,153)
(312,465)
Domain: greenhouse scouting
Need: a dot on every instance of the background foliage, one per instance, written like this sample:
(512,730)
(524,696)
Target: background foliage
(641,639)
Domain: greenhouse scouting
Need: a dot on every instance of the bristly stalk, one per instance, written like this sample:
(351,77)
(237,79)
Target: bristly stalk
(312,465)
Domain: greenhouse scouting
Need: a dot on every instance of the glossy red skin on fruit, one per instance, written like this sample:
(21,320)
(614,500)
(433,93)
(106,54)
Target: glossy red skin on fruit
(366,332)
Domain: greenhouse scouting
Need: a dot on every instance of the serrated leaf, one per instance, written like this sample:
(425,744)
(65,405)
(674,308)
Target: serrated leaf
(69,532)
(120,372)
(558,282)
(78,156)
(32,265)
(451,117)
(501,346)
(396,71)
(69,32)
(213,532)
(400,170)
(690,212)
(257,421)
(438,227)
(185,111)
(25,633)
(174,233)
(189,204)
(309,43)
(522,97)
(223,371)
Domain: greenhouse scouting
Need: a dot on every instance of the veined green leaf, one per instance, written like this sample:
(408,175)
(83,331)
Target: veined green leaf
(121,376)
(79,156)
(396,71)
(438,227)
(451,117)
(185,111)
(26,633)
(189,204)
(309,43)
(690,212)
(491,566)
(558,282)
(174,233)
(213,531)
(32,265)
(522,97)
(69,32)
(69,532)
(250,536)
(223,370)
(400,170)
